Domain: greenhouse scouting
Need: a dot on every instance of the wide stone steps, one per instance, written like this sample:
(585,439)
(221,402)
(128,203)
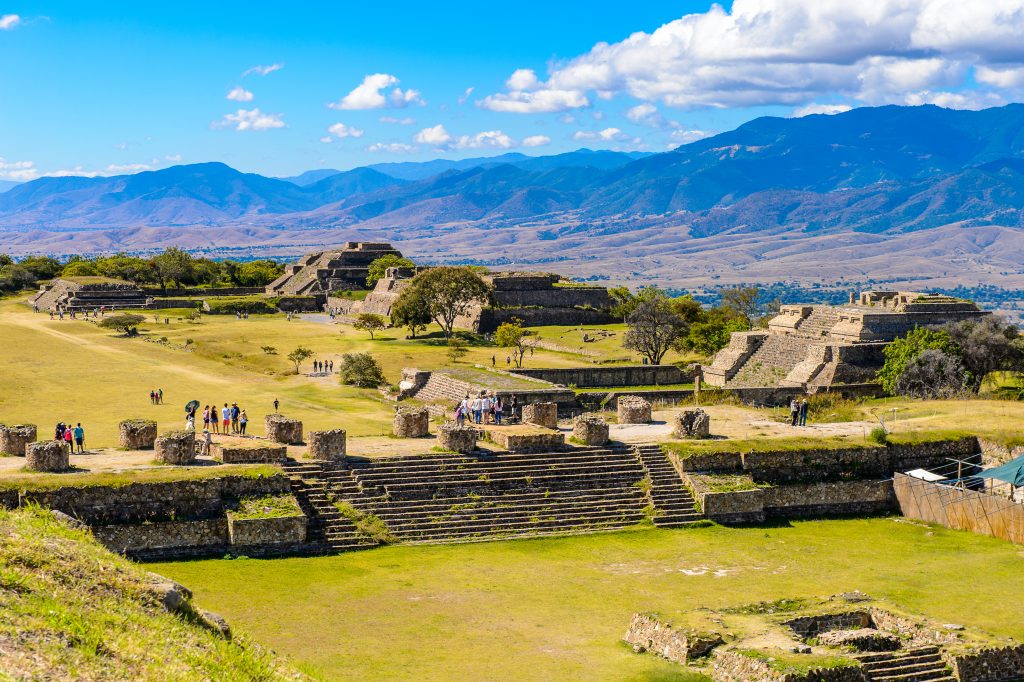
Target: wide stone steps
(922,664)
(518,503)
(504,515)
(819,323)
(522,528)
(771,362)
(673,503)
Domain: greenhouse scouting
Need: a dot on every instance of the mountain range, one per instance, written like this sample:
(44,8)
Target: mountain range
(881,172)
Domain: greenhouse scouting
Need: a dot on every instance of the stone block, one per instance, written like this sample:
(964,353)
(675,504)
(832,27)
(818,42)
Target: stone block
(256,452)
(692,424)
(590,429)
(451,436)
(47,455)
(632,409)
(13,439)
(411,422)
(176,447)
(861,639)
(541,414)
(281,429)
(519,441)
(137,434)
(283,530)
(327,446)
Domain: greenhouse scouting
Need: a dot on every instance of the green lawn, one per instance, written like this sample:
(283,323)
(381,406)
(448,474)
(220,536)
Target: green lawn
(555,609)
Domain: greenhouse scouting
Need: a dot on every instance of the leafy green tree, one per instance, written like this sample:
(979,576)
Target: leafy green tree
(173,265)
(362,370)
(80,268)
(623,302)
(933,374)
(986,345)
(257,273)
(512,335)
(747,301)
(654,327)
(411,310)
(712,335)
(900,354)
(126,323)
(370,322)
(457,349)
(128,268)
(41,267)
(5,260)
(448,292)
(379,267)
(300,355)
(15,278)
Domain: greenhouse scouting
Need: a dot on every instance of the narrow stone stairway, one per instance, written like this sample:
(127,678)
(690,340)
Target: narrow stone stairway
(327,528)
(922,664)
(668,493)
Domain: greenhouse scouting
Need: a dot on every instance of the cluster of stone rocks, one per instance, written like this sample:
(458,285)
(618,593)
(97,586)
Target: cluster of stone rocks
(692,424)
(411,422)
(13,439)
(47,455)
(632,409)
(137,434)
(541,414)
(176,447)
(327,446)
(281,429)
(589,429)
(455,438)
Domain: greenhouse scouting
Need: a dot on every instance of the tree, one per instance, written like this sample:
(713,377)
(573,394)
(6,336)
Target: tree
(457,349)
(410,310)
(512,335)
(379,266)
(300,355)
(173,265)
(126,323)
(448,292)
(991,344)
(370,322)
(80,268)
(746,301)
(15,278)
(128,268)
(623,302)
(362,370)
(933,374)
(654,327)
(257,273)
(900,353)
(41,267)
(712,334)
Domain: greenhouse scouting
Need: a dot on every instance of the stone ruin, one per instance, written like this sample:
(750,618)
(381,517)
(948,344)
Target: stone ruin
(541,414)
(88,293)
(176,447)
(47,455)
(411,422)
(632,409)
(13,439)
(137,434)
(589,429)
(325,271)
(692,424)
(327,446)
(281,429)
(461,439)
(818,346)
(249,452)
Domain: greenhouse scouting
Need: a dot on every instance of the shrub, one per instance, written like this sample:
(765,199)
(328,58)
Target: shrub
(254,305)
(126,323)
(362,370)
(879,435)
(369,322)
(457,349)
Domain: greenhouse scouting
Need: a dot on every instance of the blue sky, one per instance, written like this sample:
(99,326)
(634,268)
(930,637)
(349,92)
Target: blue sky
(118,87)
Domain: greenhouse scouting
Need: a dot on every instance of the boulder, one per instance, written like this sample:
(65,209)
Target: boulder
(632,409)
(692,424)
(541,414)
(411,422)
(47,455)
(451,436)
(589,429)
(327,446)
(176,447)
(13,439)
(137,434)
(281,429)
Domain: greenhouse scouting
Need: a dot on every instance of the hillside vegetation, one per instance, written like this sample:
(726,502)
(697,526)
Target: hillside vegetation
(71,610)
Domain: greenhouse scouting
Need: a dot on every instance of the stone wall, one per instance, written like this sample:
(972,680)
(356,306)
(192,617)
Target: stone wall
(600,377)
(490,319)
(191,537)
(171,292)
(176,447)
(411,423)
(633,409)
(807,627)
(590,430)
(541,414)
(992,454)
(452,437)
(997,664)
(257,452)
(281,429)
(327,446)
(47,455)
(648,633)
(14,439)
(730,666)
(137,434)
(284,530)
(737,506)
(301,304)
(516,441)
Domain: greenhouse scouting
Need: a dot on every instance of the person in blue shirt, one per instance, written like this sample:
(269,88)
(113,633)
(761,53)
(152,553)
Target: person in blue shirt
(79,434)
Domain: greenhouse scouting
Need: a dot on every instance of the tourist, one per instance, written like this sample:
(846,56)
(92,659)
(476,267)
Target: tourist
(804,407)
(159,396)
(794,411)
(498,408)
(51,314)
(332,367)
(225,415)
(214,418)
(243,419)
(79,434)
(206,418)
(460,414)
(491,399)
(235,412)
(476,407)
(492,361)
(190,421)
(508,361)
(58,431)
(152,397)
(204,444)
(68,436)
(512,404)
(276,405)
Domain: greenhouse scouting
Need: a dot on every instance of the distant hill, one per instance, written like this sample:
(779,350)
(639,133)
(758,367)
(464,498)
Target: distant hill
(7,184)
(311,176)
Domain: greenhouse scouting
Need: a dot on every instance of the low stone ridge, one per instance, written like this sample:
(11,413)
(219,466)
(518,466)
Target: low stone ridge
(281,429)
(632,409)
(461,439)
(13,439)
(176,447)
(411,422)
(648,633)
(47,455)
(692,424)
(515,440)
(283,530)
(861,639)
(588,429)
(254,452)
(137,434)
(327,446)
(541,414)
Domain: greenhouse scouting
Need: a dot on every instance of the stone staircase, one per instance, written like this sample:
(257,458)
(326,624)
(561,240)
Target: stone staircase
(819,323)
(443,388)
(771,362)
(921,664)
(670,497)
(328,531)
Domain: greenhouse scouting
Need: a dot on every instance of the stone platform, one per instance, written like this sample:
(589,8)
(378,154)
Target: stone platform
(524,437)
(248,451)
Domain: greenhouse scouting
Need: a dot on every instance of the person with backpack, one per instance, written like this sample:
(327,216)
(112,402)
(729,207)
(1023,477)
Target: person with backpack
(794,412)
(498,409)
(79,435)
(243,421)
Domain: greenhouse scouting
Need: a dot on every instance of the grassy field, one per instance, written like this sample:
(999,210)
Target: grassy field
(555,609)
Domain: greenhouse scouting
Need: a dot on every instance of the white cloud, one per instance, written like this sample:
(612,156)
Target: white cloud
(369,95)
(327,139)
(821,109)
(240,94)
(260,70)
(791,52)
(173,158)
(19,171)
(407,121)
(606,135)
(341,130)
(536,141)
(465,96)
(641,113)
(392,147)
(681,136)
(250,119)
(127,168)
(435,136)
(956,100)
(488,139)
(9,21)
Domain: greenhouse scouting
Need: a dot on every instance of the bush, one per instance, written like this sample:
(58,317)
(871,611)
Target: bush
(362,370)
(879,435)
(254,305)
(126,323)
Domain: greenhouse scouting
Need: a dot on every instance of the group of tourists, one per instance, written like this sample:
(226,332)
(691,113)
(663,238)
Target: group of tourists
(323,366)
(241,315)
(227,420)
(72,437)
(73,314)
(156,396)
(485,408)
(798,412)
